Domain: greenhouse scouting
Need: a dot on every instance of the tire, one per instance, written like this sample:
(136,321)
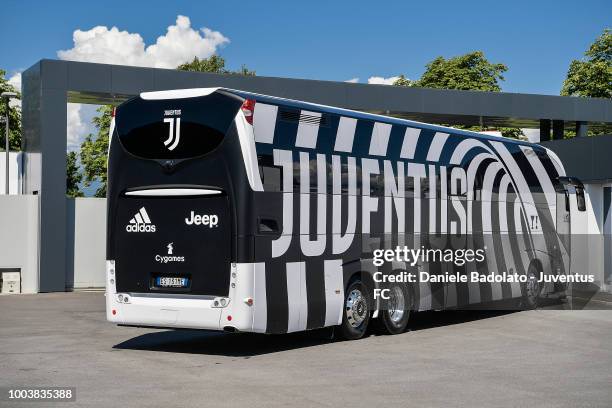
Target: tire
(533,288)
(394,313)
(357,310)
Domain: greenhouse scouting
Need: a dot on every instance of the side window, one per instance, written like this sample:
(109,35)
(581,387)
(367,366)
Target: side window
(271,175)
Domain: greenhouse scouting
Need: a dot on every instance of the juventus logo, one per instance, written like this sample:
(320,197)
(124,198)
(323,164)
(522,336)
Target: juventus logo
(173,136)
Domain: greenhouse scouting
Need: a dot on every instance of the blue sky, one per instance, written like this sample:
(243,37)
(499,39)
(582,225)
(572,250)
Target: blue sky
(333,40)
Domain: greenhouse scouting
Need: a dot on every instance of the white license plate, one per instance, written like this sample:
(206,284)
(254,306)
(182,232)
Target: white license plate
(171,282)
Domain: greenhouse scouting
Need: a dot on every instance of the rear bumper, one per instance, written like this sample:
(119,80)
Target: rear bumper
(163,312)
(184,311)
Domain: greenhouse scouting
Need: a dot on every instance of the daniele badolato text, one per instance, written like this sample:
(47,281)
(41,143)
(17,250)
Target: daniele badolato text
(417,257)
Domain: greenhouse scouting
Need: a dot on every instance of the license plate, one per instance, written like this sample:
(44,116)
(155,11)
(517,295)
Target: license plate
(171,282)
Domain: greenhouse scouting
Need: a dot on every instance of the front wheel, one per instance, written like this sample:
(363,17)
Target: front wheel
(356,316)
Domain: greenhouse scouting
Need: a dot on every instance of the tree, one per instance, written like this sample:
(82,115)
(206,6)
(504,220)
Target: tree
(214,64)
(73,176)
(14,117)
(592,76)
(94,150)
(471,71)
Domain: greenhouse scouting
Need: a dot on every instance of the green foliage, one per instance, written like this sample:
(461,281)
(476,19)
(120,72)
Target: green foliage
(403,81)
(73,176)
(513,133)
(592,76)
(94,151)
(14,117)
(214,64)
(471,71)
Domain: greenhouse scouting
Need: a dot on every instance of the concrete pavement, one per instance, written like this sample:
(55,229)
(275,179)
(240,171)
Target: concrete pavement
(542,358)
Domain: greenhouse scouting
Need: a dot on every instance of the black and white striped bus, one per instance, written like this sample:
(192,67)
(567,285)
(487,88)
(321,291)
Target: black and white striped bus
(235,211)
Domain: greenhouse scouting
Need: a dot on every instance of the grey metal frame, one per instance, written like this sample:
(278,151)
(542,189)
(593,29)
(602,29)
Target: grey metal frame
(49,85)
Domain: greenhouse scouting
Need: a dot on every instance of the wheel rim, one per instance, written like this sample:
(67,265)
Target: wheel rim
(356,308)
(396,305)
(532,286)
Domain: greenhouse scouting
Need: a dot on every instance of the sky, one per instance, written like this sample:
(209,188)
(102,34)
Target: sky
(370,41)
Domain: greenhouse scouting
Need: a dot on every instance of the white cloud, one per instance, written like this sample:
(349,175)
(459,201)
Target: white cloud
(352,80)
(15,80)
(111,46)
(76,128)
(382,81)
(180,44)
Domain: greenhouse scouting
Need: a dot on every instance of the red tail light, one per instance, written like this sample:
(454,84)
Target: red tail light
(114,111)
(248,108)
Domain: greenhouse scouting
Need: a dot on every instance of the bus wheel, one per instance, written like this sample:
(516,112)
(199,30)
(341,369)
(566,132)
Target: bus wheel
(356,316)
(395,312)
(533,287)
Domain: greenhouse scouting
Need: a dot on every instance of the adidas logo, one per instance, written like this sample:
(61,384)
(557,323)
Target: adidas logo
(140,223)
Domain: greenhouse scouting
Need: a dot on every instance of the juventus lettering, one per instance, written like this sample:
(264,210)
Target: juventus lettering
(392,203)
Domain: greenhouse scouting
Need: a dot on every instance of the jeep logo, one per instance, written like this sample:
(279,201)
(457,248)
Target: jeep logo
(197,219)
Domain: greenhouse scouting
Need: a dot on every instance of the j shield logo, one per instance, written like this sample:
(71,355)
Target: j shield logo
(175,123)
(140,222)
(196,219)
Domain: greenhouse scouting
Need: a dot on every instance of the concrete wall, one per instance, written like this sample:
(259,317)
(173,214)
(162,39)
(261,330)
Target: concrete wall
(85,242)
(19,240)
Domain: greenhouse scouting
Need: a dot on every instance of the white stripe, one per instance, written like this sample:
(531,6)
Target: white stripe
(132,221)
(333,283)
(437,144)
(249,151)
(284,158)
(307,132)
(521,184)
(313,247)
(139,219)
(178,93)
(411,139)
(264,122)
(556,162)
(172,192)
(145,216)
(424,296)
(296,296)
(345,134)
(380,139)
(260,311)
(544,179)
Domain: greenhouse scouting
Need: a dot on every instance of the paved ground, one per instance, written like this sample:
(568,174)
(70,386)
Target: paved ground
(543,358)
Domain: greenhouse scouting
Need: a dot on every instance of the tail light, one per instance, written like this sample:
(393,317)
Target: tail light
(114,111)
(248,108)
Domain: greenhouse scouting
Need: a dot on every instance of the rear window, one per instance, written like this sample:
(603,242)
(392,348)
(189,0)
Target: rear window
(175,128)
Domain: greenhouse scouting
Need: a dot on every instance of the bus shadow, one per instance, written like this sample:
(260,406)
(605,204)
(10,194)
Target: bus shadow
(249,344)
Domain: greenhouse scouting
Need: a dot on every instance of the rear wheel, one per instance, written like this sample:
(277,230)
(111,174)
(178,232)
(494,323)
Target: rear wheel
(395,311)
(357,311)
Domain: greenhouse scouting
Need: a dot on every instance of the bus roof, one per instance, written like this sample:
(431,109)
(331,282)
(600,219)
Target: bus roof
(192,92)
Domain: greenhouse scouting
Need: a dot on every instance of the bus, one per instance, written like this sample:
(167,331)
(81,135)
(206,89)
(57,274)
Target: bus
(230,210)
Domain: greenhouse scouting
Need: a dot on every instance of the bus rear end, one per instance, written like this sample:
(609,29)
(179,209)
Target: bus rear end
(175,169)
